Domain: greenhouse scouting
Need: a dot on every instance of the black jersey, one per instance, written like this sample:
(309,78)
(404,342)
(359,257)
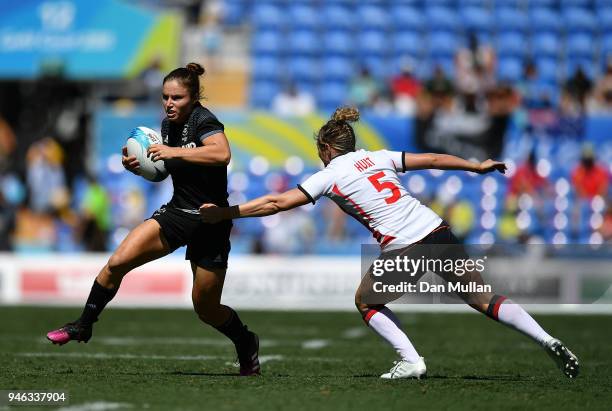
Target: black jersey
(195,184)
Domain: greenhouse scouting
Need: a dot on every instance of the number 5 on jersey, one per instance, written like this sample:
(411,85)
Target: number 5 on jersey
(385,185)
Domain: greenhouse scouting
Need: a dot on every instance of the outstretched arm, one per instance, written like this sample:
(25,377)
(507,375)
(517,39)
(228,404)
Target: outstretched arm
(259,207)
(449,162)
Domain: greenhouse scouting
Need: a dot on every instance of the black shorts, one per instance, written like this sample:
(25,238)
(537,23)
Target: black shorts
(208,245)
(440,244)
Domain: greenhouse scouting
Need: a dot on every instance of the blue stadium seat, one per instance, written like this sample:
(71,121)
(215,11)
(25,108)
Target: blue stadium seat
(579,45)
(511,44)
(545,45)
(438,3)
(542,3)
(510,69)
(304,17)
(579,20)
(548,70)
(335,68)
(307,86)
(544,20)
(263,92)
(408,43)
(505,4)
(372,17)
(267,42)
(407,18)
(473,3)
(268,16)
(605,19)
(442,19)
(379,67)
(234,13)
(331,95)
(509,19)
(304,69)
(602,4)
(303,42)
(606,48)
(476,19)
(338,43)
(575,3)
(443,44)
(338,17)
(266,68)
(372,43)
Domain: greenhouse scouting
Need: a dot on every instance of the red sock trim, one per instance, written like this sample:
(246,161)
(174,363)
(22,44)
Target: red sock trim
(369,315)
(498,303)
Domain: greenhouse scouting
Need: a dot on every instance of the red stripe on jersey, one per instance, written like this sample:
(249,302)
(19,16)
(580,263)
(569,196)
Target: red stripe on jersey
(387,239)
(382,239)
(360,210)
(496,306)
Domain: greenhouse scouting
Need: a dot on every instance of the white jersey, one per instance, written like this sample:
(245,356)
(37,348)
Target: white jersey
(365,185)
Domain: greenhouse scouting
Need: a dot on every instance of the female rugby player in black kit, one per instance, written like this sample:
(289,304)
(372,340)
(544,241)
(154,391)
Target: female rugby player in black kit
(196,154)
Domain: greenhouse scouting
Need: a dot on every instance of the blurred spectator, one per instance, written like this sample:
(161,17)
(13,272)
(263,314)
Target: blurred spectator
(527,180)
(382,104)
(34,232)
(475,67)
(461,215)
(153,77)
(536,99)
(7,144)
(7,223)
(606,227)
(95,216)
(212,41)
(65,223)
(405,88)
(440,88)
(45,174)
(291,233)
(335,222)
(578,87)
(589,178)
(293,102)
(529,87)
(363,89)
(603,92)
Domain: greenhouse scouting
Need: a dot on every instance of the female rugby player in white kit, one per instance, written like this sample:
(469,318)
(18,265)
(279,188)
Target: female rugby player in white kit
(365,185)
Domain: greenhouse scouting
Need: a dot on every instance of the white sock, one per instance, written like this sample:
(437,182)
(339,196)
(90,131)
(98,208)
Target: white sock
(514,316)
(387,325)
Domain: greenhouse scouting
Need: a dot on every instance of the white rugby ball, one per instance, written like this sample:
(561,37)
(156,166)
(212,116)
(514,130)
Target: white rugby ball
(139,141)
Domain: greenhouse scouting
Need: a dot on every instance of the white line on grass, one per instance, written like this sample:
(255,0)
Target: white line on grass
(101,355)
(354,332)
(140,341)
(314,344)
(105,356)
(97,406)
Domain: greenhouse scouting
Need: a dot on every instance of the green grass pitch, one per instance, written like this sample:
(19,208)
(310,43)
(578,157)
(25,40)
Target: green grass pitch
(167,360)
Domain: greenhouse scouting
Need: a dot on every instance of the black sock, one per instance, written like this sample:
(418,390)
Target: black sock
(233,328)
(97,300)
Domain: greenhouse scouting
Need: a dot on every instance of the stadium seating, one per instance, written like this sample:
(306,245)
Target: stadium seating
(343,34)
(510,69)
(511,19)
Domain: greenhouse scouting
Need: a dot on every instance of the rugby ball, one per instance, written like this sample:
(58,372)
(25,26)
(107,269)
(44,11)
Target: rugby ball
(139,141)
